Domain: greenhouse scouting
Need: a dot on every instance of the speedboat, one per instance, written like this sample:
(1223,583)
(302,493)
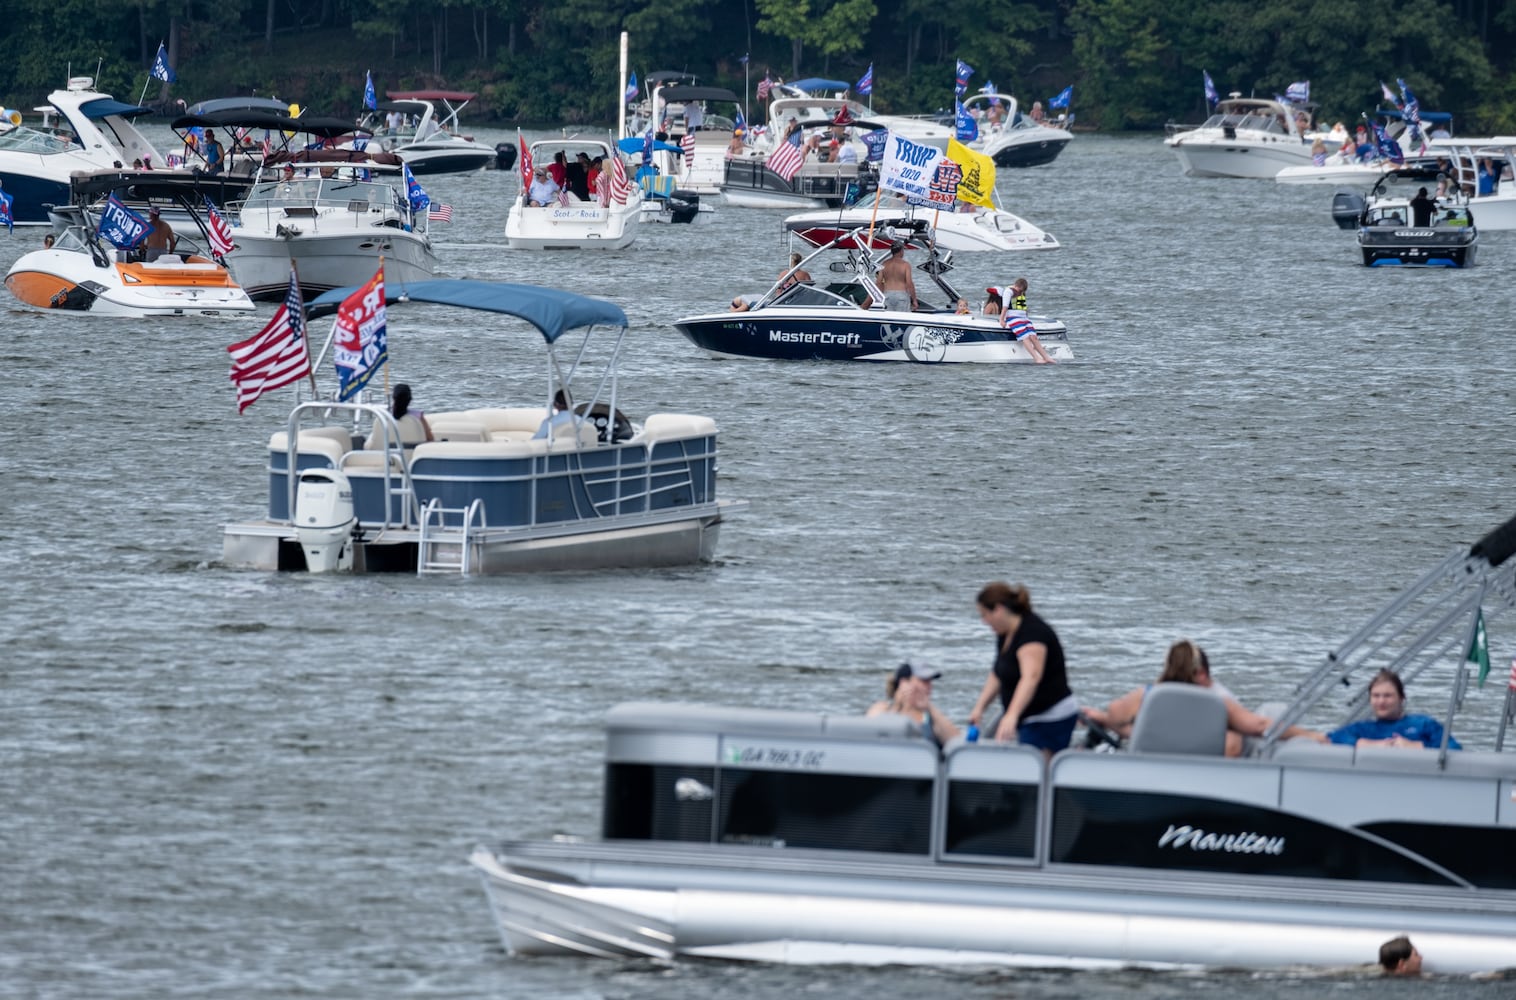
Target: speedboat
(1386,237)
(701,167)
(807,101)
(843,316)
(1483,169)
(488,494)
(97,133)
(333,213)
(1018,141)
(810,837)
(1346,166)
(972,229)
(1245,137)
(573,224)
(665,199)
(429,141)
(83,272)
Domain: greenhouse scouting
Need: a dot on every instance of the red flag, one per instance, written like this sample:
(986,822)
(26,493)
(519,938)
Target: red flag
(786,160)
(621,187)
(526,163)
(276,355)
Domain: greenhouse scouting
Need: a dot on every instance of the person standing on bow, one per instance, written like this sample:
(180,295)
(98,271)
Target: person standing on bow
(1029,675)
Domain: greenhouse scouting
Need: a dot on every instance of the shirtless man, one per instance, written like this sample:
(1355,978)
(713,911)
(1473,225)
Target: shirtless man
(160,236)
(895,280)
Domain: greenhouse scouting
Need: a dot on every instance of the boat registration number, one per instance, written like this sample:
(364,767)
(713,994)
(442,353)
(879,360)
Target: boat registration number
(798,758)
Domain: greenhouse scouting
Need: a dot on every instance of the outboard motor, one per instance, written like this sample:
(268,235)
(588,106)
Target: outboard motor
(505,155)
(1347,208)
(684,206)
(324,520)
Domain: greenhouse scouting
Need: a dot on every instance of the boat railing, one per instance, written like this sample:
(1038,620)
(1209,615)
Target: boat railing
(394,474)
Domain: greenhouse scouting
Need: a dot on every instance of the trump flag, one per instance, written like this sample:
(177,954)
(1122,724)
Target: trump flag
(359,345)
(161,69)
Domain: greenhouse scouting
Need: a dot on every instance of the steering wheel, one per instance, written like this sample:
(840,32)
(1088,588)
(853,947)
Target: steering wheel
(1099,735)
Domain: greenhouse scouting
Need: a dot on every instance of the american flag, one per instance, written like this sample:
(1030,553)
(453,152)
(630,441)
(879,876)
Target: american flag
(764,86)
(440,213)
(267,146)
(276,355)
(688,142)
(785,160)
(621,186)
(603,189)
(220,233)
(563,198)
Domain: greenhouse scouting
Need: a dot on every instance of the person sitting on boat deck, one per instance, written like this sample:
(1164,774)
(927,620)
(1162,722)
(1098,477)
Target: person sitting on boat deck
(1423,209)
(961,308)
(1015,320)
(410,423)
(909,693)
(1339,132)
(1037,115)
(558,169)
(215,156)
(160,236)
(794,274)
(844,152)
(1390,726)
(991,305)
(996,117)
(544,191)
(1486,177)
(1455,218)
(1399,957)
(896,281)
(1186,663)
(735,147)
(1319,152)
(1029,674)
(742,303)
(596,176)
(561,420)
(812,147)
(48,241)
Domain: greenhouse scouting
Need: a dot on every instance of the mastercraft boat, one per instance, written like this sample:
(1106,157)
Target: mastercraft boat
(570,222)
(97,133)
(82,271)
(500,488)
(429,141)
(815,837)
(1016,140)
(1245,137)
(843,316)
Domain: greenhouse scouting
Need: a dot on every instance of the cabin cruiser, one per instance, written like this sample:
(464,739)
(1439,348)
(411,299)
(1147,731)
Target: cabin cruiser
(571,223)
(83,271)
(1016,140)
(751,182)
(812,837)
(1343,164)
(971,229)
(1484,171)
(429,141)
(843,316)
(97,133)
(498,489)
(806,100)
(330,213)
(665,199)
(701,167)
(1245,137)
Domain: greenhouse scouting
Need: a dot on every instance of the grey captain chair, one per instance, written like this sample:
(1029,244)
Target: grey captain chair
(1180,718)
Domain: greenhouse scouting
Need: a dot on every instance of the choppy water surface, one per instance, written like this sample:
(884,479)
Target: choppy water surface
(243,784)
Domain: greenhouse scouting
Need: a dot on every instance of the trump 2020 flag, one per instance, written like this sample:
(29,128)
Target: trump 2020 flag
(1063,97)
(274,356)
(910,168)
(121,226)
(220,232)
(866,81)
(965,128)
(875,141)
(1388,148)
(370,99)
(6,215)
(961,81)
(1298,92)
(413,192)
(161,69)
(1211,97)
(631,88)
(359,347)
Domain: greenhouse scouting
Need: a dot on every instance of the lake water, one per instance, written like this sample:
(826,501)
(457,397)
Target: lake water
(227,783)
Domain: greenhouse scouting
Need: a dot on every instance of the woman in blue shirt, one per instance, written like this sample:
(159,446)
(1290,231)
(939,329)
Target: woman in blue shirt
(1390,726)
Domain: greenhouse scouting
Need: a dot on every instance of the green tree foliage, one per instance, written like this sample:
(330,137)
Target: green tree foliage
(1134,63)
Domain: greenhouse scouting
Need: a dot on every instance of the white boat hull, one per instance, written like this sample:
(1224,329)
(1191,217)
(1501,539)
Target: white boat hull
(261,262)
(581,226)
(1203,157)
(981,231)
(66,280)
(749,198)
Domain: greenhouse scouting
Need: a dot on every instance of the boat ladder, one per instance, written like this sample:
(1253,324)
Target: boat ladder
(445,547)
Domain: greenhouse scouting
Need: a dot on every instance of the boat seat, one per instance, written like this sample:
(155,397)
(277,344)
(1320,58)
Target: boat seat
(672,426)
(1482,763)
(663,717)
(310,443)
(509,423)
(1180,718)
(1405,759)
(454,427)
(864,727)
(1310,752)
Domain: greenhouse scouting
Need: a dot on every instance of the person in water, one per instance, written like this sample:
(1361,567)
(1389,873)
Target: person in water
(1390,725)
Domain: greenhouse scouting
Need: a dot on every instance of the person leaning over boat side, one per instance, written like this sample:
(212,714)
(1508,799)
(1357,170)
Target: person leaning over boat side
(1423,209)
(909,693)
(1186,663)
(1029,675)
(412,423)
(1390,726)
(1014,318)
(1399,957)
(895,280)
(160,236)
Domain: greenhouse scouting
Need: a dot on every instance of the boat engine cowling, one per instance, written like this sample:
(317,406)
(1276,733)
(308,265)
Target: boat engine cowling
(505,155)
(1347,208)
(324,520)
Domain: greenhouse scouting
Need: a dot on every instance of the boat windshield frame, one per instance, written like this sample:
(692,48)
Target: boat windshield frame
(25,139)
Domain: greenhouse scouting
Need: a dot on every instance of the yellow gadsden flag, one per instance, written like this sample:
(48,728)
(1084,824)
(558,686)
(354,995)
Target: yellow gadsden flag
(978,184)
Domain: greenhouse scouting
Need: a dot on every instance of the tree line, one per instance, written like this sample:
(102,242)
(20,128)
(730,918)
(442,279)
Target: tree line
(1134,64)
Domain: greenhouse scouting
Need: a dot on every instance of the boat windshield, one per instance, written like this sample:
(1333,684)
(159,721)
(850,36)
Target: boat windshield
(323,191)
(22,139)
(808,295)
(1247,120)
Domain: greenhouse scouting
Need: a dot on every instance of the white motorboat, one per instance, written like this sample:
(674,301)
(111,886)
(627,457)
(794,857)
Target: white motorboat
(811,837)
(1362,166)
(970,230)
(1245,137)
(428,140)
(488,495)
(332,212)
(1484,172)
(806,101)
(96,133)
(83,272)
(1015,140)
(843,315)
(700,168)
(573,223)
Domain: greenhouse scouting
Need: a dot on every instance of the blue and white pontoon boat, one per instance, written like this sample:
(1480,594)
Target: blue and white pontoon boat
(805,837)
(488,495)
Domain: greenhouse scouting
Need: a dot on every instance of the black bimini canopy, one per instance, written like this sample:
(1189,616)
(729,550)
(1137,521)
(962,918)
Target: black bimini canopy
(677,95)
(326,128)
